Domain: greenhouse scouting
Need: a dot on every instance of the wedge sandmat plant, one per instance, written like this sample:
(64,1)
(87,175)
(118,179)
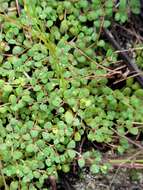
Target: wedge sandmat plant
(54,90)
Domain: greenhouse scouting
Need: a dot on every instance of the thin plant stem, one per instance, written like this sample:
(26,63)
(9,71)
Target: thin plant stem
(4,181)
(120,165)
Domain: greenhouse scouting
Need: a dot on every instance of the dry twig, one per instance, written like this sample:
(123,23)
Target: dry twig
(17,7)
(130,63)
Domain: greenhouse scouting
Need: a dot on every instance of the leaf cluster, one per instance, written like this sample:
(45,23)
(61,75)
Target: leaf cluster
(54,90)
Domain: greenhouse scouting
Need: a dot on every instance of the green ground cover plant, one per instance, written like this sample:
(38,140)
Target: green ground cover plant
(54,92)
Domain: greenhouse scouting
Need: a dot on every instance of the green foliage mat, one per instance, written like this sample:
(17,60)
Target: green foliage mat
(54,69)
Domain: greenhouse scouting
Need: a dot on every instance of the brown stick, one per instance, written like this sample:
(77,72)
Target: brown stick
(128,165)
(129,62)
(53,182)
(129,140)
(17,6)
